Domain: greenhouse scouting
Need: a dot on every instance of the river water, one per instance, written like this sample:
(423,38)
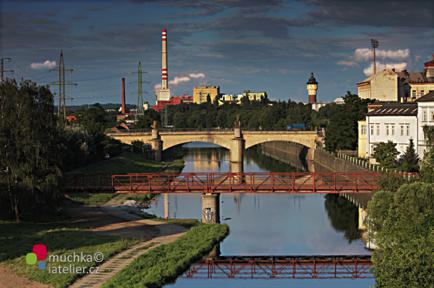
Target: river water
(277,224)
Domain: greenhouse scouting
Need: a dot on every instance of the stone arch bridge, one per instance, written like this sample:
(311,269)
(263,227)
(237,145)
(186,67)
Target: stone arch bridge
(236,141)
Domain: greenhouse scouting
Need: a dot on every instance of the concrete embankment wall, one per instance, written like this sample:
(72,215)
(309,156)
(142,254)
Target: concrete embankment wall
(326,162)
(295,155)
(287,152)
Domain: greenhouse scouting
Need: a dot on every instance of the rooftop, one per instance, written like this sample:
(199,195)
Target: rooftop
(395,109)
(427,98)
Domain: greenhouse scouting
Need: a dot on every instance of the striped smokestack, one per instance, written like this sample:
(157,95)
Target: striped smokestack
(164,70)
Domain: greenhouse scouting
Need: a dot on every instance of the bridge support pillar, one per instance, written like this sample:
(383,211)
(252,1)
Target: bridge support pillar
(210,208)
(363,214)
(166,205)
(237,151)
(156,143)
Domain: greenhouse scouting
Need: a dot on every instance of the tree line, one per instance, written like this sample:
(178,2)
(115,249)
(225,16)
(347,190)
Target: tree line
(36,149)
(339,120)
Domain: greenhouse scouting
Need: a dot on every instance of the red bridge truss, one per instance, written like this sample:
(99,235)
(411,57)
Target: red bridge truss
(282,267)
(268,182)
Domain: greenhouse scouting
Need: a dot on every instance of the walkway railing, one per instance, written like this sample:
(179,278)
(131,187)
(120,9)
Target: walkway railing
(250,182)
(282,267)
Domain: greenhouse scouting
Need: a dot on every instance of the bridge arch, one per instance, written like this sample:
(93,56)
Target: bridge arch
(170,141)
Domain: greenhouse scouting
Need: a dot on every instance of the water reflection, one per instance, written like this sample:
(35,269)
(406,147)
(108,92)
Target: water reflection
(264,224)
(343,216)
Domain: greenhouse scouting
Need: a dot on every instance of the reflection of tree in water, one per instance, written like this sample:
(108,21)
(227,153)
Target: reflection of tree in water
(343,215)
(266,163)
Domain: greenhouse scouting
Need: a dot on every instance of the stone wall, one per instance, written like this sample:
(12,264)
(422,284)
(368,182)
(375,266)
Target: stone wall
(287,152)
(327,162)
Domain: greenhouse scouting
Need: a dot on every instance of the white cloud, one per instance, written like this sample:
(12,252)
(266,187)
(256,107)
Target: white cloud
(347,63)
(365,54)
(399,58)
(47,64)
(182,79)
(381,66)
(196,75)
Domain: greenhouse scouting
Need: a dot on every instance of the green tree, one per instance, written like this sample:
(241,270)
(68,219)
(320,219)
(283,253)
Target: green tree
(341,122)
(409,161)
(29,155)
(385,154)
(402,223)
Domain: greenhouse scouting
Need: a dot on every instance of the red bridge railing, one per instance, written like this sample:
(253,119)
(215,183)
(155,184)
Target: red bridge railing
(272,182)
(283,267)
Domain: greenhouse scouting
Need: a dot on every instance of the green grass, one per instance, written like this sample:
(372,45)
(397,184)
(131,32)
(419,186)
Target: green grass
(91,199)
(16,240)
(129,162)
(163,264)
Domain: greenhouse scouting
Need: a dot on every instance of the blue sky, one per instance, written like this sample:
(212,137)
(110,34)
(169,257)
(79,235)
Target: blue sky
(237,44)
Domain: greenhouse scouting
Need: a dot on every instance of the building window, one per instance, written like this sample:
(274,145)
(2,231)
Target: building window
(378,129)
(363,130)
(413,93)
(372,129)
(402,130)
(393,129)
(408,130)
(432,116)
(387,129)
(424,116)
(421,93)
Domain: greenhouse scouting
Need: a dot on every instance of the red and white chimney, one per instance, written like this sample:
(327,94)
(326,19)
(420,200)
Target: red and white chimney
(164,69)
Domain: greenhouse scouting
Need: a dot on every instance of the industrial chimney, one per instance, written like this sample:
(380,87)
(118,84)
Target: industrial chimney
(164,72)
(123,96)
(163,94)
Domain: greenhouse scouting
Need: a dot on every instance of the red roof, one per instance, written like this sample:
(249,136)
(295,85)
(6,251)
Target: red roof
(430,63)
(176,100)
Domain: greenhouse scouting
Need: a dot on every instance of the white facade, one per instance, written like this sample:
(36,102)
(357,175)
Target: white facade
(425,117)
(398,129)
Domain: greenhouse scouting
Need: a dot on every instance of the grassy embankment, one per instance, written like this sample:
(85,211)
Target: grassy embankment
(127,162)
(163,264)
(62,238)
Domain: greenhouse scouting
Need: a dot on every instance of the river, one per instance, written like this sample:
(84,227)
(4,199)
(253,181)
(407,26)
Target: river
(265,224)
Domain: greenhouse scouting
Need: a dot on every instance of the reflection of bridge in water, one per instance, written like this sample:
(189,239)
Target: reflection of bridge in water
(282,267)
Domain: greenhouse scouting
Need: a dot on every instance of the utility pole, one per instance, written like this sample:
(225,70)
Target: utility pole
(61,109)
(139,107)
(374,45)
(2,68)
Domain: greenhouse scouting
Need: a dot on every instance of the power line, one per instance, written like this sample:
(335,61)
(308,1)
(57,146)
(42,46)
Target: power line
(2,68)
(62,83)
(139,107)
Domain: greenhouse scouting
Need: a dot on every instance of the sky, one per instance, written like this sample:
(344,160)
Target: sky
(258,45)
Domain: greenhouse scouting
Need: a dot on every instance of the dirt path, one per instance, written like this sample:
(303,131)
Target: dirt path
(154,233)
(111,220)
(117,263)
(9,279)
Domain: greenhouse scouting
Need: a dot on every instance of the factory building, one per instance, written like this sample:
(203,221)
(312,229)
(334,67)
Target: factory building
(201,94)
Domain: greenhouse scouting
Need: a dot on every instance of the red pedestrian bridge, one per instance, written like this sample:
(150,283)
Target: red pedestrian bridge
(249,182)
(282,267)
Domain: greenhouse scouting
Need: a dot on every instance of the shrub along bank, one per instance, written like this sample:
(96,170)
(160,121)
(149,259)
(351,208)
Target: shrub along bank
(163,264)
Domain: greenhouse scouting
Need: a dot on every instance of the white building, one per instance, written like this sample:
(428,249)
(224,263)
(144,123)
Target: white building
(425,117)
(396,122)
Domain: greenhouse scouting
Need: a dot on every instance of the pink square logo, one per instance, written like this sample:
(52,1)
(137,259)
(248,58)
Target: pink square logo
(40,250)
